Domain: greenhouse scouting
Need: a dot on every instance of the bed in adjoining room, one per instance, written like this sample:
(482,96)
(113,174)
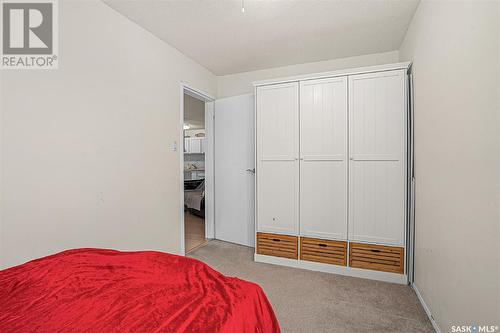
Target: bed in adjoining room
(95,290)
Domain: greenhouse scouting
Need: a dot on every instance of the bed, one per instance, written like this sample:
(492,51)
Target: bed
(96,290)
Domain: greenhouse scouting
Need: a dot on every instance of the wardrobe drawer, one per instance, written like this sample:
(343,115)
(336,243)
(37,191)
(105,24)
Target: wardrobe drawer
(325,251)
(376,257)
(277,245)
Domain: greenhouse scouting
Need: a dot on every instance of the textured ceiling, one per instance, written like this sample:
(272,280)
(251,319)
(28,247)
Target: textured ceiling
(217,35)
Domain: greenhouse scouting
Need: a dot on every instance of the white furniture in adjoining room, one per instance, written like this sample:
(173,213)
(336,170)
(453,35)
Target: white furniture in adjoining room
(194,174)
(194,145)
(331,171)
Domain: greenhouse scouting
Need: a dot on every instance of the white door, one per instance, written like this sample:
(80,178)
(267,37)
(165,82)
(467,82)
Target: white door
(323,158)
(234,165)
(377,126)
(278,158)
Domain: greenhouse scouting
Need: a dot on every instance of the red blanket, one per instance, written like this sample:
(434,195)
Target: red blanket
(92,290)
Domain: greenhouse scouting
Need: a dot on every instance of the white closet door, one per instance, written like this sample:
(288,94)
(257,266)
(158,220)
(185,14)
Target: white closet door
(377,125)
(277,158)
(323,158)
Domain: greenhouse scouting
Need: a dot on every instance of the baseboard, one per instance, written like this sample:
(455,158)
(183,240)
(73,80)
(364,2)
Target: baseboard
(426,308)
(341,270)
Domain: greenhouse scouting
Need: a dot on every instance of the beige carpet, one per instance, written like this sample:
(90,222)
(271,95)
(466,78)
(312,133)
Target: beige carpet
(313,302)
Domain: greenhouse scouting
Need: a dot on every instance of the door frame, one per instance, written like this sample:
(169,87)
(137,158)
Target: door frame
(209,100)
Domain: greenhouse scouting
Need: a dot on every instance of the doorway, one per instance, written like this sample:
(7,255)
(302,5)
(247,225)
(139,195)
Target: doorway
(217,169)
(196,156)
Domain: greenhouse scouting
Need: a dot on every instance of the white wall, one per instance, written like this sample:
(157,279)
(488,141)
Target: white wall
(454,47)
(241,83)
(86,152)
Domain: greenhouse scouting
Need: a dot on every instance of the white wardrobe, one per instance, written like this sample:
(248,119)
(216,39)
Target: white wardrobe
(331,171)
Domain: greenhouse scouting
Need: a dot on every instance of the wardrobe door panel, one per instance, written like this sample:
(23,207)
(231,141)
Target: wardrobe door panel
(323,158)
(277,117)
(377,210)
(377,184)
(323,204)
(277,197)
(277,158)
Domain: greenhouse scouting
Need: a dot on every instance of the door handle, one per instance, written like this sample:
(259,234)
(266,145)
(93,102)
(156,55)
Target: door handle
(251,170)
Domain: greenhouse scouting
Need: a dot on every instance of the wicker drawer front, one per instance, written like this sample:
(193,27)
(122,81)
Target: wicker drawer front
(277,245)
(376,257)
(325,251)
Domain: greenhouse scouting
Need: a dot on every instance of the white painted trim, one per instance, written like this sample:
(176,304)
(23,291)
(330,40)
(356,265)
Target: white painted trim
(340,270)
(180,149)
(2,259)
(196,93)
(255,165)
(350,71)
(193,92)
(210,169)
(426,308)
